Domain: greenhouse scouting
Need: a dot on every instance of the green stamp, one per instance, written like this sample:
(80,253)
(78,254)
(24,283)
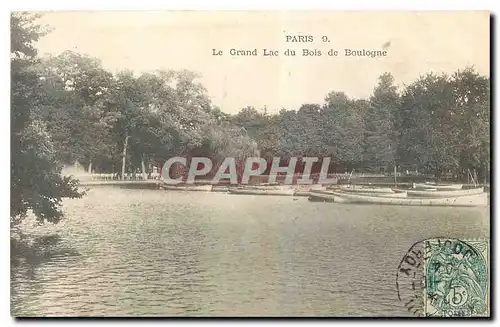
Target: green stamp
(457,278)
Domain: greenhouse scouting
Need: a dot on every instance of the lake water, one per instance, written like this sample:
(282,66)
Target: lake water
(159,253)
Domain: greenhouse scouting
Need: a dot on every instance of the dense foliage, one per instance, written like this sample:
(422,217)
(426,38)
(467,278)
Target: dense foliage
(36,183)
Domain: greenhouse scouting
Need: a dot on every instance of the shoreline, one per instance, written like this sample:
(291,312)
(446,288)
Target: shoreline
(118,182)
(218,187)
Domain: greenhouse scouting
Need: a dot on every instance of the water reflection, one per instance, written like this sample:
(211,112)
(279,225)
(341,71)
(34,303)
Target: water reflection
(157,253)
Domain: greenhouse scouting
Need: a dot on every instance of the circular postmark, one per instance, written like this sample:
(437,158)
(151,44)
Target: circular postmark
(444,277)
(410,279)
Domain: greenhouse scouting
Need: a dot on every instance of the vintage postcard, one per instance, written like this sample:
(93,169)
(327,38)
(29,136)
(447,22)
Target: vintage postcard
(250,164)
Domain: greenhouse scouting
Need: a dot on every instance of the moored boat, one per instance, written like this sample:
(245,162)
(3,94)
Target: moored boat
(442,187)
(387,195)
(365,189)
(266,187)
(473,200)
(329,195)
(323,196)
(220,188)
(304,190)
(444,194)
(399,190)
(205,188)
(260,191)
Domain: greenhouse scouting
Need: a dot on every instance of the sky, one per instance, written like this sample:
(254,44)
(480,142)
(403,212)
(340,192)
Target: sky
(416,43)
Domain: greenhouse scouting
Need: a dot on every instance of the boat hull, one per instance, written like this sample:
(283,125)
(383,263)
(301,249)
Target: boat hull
(366,189)
(305,190)
(466,200)
(324,196)
(198,188)
(388,195)
(267,187)
(221,189)
(253,191)
(330,196)
(449,187)
(444,194)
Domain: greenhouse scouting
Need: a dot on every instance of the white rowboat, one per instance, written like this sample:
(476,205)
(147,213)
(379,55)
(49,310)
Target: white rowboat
(366,189)
(220,188)
(465,200)
(303,190)
(386,195)
(253,191)
(328,196)
(267,187)
(443,187)
(316,196)
(444,194)
(205,188)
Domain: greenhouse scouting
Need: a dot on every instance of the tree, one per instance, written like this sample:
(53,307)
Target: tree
(73,107)
(309,120)
(290,131)
(428,129)
(67,108)
(380,136)
(269,144)
(161,114)
(251,120)
(127,99)
(471,108)
(36,183)
(343,130)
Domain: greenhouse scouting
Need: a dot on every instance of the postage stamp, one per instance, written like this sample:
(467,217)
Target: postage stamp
(456,278)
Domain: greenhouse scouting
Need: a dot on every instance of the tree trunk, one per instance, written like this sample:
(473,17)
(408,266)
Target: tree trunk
(124,154)
(437,174)
(90,167)
(143,166)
